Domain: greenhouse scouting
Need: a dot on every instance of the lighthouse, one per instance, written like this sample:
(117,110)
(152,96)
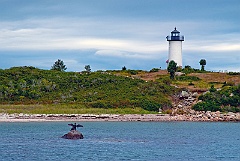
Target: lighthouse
(175,47)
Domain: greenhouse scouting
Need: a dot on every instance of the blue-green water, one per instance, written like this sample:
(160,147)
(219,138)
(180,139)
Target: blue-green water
(148,141)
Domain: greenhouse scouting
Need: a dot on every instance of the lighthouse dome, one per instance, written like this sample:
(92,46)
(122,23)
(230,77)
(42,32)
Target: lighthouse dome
(175,36)
(175,30)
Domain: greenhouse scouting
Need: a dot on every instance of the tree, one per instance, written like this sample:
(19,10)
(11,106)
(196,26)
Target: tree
(59,66)
(88,68)
(202,63)
(124,68)
(172,67)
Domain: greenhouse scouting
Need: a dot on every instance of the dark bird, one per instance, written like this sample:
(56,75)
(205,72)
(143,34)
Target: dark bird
(74,126)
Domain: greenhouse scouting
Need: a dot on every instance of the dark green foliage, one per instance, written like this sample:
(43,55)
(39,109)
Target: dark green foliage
(227,99)
(154,70)
(179,69)
(234,73)
(187,78)
(149,105)
(212,89)
(165,80)
(132,72)
(88,68)
(207,106)
(124,68)
(28,85)
(188,69)
(202,63)
(59,66)
(172,67)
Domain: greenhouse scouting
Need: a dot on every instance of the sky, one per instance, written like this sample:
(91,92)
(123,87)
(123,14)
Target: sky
(110,34)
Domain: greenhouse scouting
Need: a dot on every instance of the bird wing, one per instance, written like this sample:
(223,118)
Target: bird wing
(70,124)
(79,125)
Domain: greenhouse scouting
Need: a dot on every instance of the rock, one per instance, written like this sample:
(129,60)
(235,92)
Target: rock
(195,94)
(179,74)
(185,94)
(73,134)
(180,106)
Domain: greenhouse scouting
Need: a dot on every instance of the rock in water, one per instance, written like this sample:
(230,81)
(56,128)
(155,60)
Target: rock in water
(73,134)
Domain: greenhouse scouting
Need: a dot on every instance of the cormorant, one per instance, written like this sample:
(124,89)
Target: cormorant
(74,126)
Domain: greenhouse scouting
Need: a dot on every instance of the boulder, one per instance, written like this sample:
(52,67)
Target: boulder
(73,134)
(184,94)
(179,74)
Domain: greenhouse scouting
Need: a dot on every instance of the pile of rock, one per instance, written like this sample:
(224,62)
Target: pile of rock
(183,102)
(73,134)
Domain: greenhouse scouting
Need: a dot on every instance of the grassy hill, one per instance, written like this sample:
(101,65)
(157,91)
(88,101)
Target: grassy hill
(32,90)
(95,90)
(223,89)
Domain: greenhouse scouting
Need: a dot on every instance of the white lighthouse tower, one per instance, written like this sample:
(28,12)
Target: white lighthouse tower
(175,47)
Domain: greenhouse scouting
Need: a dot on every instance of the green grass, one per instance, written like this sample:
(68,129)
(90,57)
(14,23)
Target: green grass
(67,109)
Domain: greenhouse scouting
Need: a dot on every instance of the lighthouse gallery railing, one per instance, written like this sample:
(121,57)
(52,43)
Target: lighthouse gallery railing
(175,38)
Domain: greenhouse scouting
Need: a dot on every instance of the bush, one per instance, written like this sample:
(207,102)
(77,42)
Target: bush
(124,68)
(212,89)
(28,85)
(207,106)
(132,72)
(165,80)
(187,78)
(149,105)
(154,70)
(225,100)
(101,104)
(234,73)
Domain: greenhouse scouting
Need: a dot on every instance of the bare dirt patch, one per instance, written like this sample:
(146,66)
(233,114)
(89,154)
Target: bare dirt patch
(153,76)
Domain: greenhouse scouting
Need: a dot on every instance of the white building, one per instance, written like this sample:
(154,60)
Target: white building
(175,47)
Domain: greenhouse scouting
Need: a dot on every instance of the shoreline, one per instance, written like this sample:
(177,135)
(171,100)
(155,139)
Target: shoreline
(196,117)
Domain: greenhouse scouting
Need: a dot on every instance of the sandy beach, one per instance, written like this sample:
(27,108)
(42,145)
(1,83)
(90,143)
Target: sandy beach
(198,116)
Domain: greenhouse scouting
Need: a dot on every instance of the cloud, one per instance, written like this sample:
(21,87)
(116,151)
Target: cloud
(123,54)
(79,35)
(138,39)
(123,35)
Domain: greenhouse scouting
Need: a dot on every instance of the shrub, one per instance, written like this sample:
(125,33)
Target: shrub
(165,80)
(187,78)
(234,73)
(124,68)
(149,105)
(227,99)
(212,89)
(133,72)
(207,106)
(154,70)
(101,104)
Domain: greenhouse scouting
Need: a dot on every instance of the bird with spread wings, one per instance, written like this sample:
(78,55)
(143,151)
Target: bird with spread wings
(74,126)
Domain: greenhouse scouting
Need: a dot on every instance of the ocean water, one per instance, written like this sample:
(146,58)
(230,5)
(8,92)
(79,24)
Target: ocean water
(113,141)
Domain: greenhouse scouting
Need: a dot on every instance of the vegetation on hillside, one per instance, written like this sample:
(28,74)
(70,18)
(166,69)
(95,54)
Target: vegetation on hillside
(224,100)
(114,91)
(172,67)
(29,85)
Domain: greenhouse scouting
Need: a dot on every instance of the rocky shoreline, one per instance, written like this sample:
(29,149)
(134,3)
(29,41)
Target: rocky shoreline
(195,116)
